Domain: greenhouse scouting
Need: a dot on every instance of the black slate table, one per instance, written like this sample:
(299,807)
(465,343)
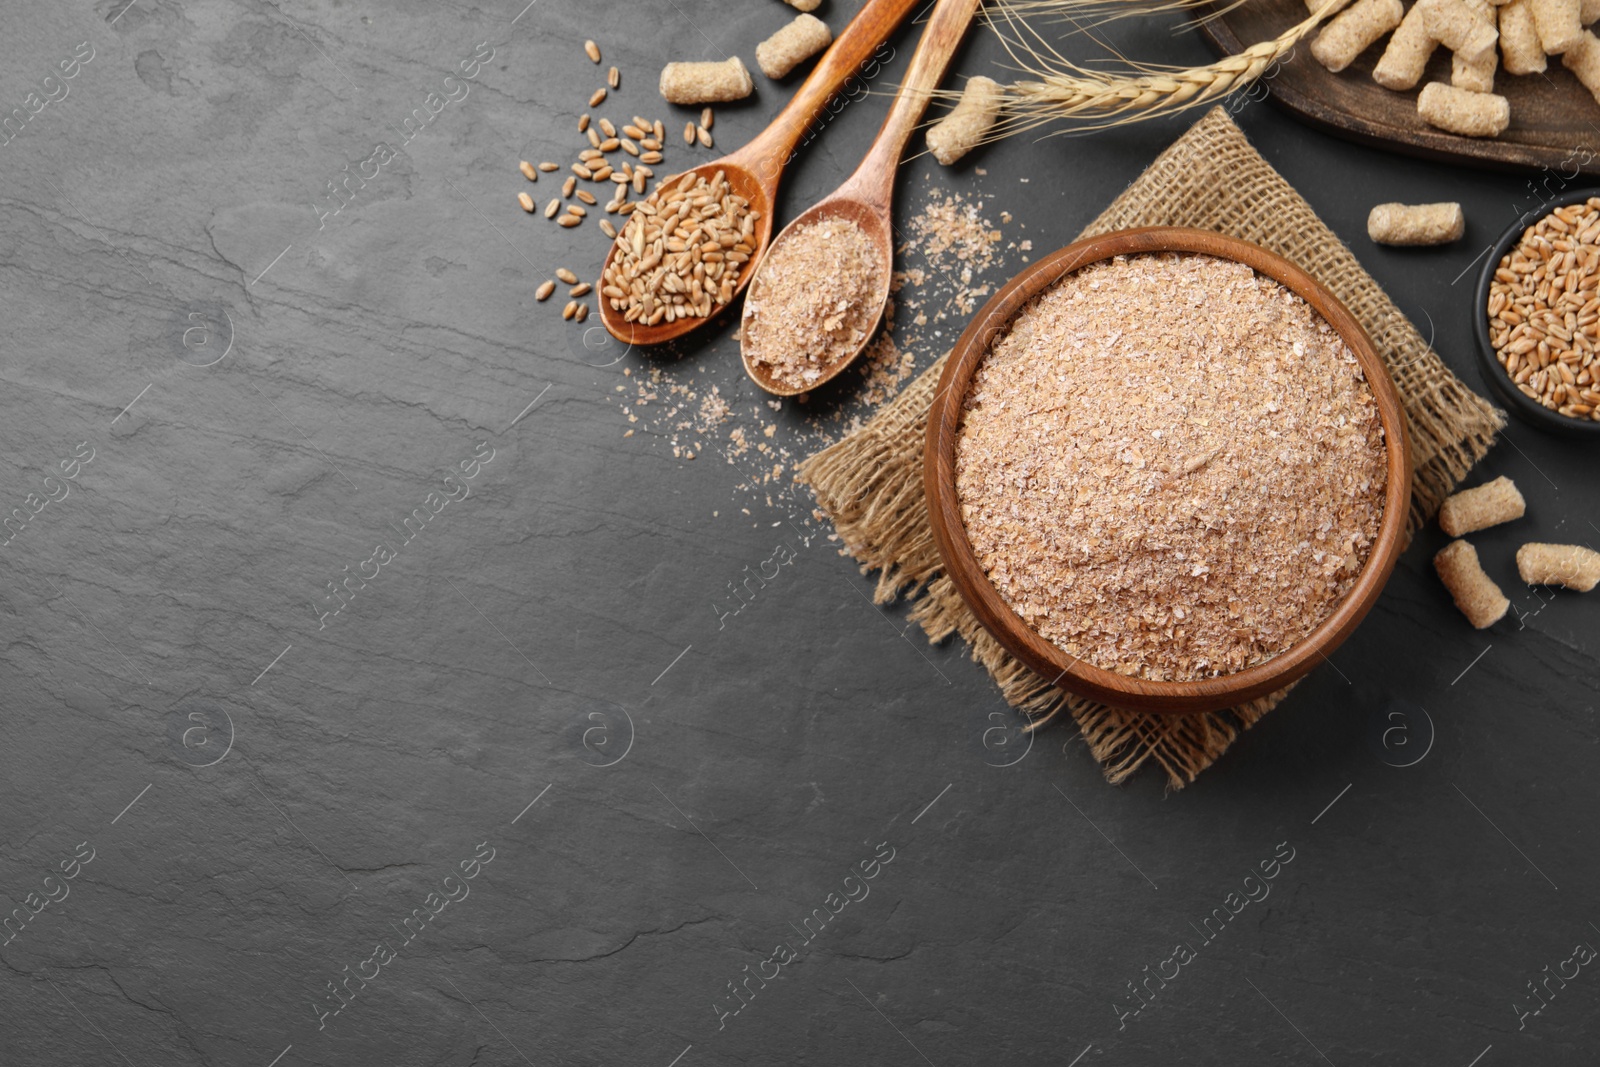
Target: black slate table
(527,798)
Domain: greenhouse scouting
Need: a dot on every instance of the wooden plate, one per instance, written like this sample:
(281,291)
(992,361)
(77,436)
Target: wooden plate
(1044,657)
(1555,122)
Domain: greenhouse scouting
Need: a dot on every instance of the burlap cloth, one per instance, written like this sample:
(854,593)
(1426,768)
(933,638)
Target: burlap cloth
(870,483)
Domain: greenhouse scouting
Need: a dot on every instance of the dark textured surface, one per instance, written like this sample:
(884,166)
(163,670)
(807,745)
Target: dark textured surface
(558,618)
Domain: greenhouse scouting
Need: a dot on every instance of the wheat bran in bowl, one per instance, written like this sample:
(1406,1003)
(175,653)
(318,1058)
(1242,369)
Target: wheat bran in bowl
(1170,466)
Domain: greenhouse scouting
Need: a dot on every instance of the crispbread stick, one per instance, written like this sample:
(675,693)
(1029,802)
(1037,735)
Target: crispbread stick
(1452,24)
(793,45)
(705,83)
(1416,224)
(1459,111)
(1573,566)
(1475,593)
(1583,59)
(968,122)
(1486,505)
(1402,63)
(1558,22)
(1519,40)
(1346,37)
(1477,73)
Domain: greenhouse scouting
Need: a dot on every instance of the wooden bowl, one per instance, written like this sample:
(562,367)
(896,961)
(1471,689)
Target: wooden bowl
(1042,656)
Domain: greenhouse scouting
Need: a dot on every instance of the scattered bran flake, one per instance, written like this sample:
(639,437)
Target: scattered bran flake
(886,366)
(1171,466)
(957,244)
(811,303)
(713,411)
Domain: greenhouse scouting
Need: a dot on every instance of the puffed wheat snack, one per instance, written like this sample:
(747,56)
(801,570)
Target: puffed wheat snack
(793,45)
(1402,63)
(968,123)
(1519,40)
(1583,59)
(1476,73)
(705,83)
(1487,505)
(1453,24)
(1353,31)
(1573,566)
(1475,593)
(1558,23)
(1416,224)
(1459,111)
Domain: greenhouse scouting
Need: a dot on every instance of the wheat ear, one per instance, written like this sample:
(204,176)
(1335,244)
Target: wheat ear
(1059,89)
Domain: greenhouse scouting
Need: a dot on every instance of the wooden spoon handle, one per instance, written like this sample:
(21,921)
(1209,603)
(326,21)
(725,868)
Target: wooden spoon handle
(874,178)
(767,155)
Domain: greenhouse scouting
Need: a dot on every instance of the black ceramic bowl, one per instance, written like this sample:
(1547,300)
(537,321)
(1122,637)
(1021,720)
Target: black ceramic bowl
(1523,406)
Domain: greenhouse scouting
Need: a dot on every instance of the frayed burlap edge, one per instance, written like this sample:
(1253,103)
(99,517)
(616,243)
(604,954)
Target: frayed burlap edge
(870,483)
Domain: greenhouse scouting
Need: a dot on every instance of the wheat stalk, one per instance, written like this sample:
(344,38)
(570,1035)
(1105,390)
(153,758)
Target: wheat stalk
(1055,88)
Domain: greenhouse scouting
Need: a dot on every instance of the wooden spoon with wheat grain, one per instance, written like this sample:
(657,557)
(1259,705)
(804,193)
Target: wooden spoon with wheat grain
(866,198)
(750,177)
